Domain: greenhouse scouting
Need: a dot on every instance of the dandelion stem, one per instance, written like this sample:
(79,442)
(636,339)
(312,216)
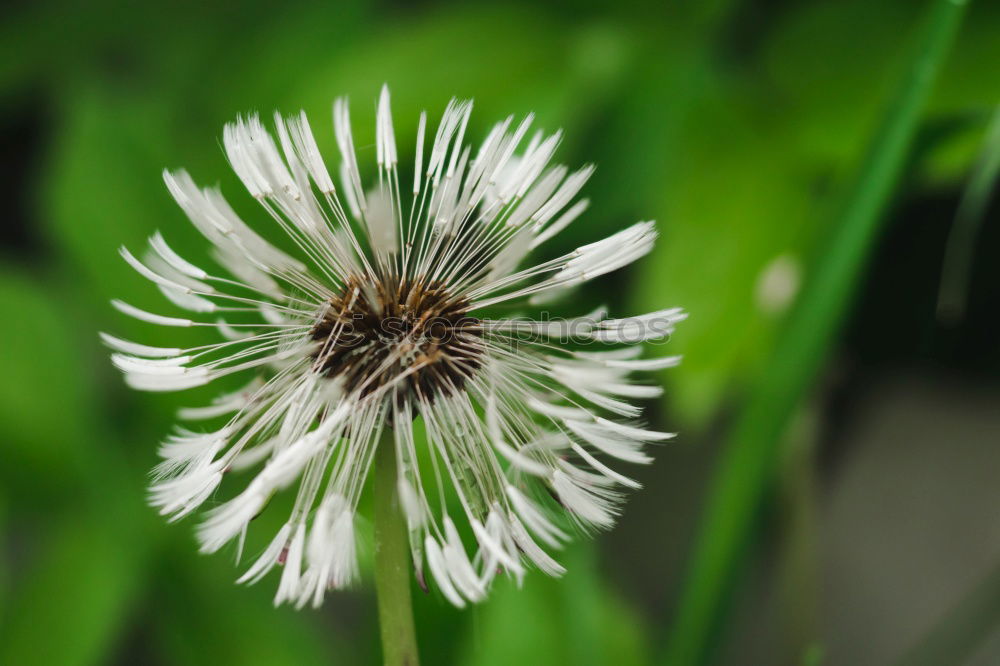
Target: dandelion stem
(392,565)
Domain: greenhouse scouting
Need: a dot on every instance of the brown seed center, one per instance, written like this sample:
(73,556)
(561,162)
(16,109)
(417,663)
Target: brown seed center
(410,333)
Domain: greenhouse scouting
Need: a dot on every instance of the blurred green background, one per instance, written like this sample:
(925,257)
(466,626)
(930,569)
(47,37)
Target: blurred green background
(833,496)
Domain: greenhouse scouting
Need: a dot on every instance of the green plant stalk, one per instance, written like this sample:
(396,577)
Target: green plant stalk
(392,563)
(746,464)
(797,589)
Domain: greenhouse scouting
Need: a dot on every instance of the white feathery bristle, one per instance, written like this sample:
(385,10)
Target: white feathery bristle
(127,347)
(419,156)
(602,440)
(604,470)
(187,301)
(532,550)
(637,391)
(180,495)
(645,363)
(291,574)
(439,569)
(159,244)
(331,540)
(177,379)
(349,192)
(154,366)
(230,333)
(269,558)
(458,565)
(349,162)
(569,189)
(222,404)
(148,273)
(149,317)
(633,432)
(227,520)
(413,509)
(584,504)
(493,548)
(385,138)
(533,517)
(381,222)
(564,221)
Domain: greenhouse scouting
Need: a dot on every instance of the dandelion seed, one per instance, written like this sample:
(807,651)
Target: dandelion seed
(375,330)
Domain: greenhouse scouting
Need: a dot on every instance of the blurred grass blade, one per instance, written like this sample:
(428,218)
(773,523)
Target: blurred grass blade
(958,255)
(954,639)
(747,461)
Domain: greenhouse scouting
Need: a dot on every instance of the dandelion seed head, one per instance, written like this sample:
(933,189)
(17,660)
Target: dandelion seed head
(370,331)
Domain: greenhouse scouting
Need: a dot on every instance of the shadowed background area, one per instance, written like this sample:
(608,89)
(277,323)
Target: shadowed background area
(757,132)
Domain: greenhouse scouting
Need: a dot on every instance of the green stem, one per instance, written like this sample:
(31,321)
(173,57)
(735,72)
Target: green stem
(392,563)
